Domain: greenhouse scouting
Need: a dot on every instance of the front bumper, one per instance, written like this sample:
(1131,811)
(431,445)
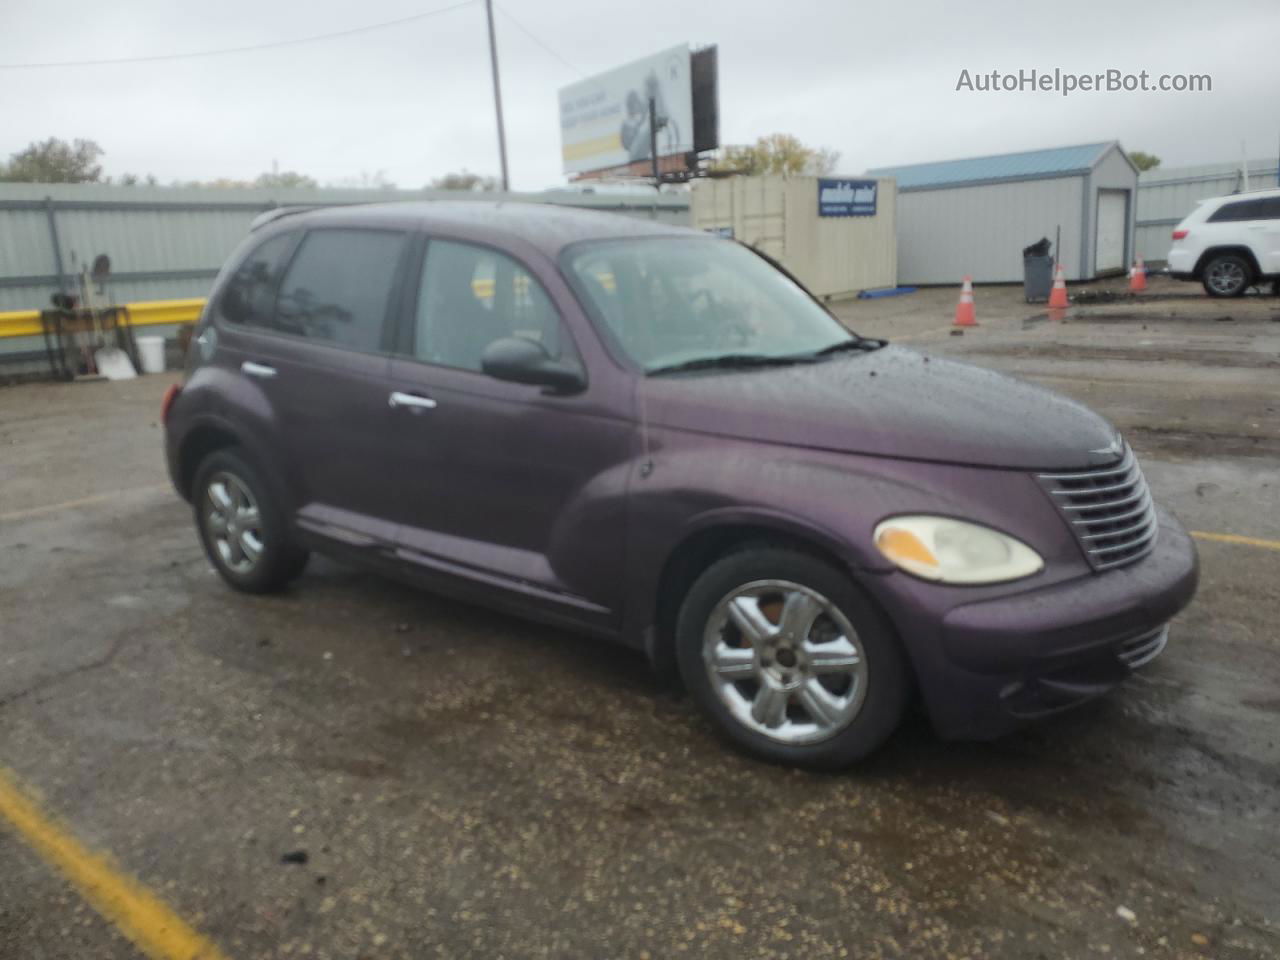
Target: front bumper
(1005,660)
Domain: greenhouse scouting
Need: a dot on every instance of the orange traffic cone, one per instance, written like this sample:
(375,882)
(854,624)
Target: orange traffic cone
(1138,277)
(1058,296)
(964,309)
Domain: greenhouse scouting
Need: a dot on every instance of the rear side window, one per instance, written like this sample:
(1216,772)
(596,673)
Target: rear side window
(470,296)
(1238,210)
(250,295)
(338,287)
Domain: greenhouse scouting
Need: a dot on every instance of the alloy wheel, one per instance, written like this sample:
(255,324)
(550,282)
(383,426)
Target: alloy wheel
(233,522)
(1225,276)
(785,661)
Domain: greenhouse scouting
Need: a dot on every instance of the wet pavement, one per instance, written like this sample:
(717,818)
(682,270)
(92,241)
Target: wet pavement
(464,784)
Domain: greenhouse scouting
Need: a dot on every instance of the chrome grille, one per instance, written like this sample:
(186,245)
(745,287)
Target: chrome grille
(1110,511)
(1142,650)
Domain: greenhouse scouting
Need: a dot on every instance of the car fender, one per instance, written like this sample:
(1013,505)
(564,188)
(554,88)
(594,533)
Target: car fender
(230,404)
(828,501)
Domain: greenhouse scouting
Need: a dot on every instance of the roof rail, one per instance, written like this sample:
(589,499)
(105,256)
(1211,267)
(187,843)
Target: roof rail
(274,214)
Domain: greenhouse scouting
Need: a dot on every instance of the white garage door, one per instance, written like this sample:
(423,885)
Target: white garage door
(1109,250)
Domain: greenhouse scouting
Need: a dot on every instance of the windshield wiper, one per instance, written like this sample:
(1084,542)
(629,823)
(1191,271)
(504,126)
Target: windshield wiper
(857,343)
(732,361)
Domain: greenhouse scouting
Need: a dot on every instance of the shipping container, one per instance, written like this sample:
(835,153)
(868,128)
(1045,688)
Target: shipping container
(837,247)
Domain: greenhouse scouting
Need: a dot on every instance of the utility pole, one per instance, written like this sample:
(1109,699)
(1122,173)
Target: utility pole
(653,142)
(497,97)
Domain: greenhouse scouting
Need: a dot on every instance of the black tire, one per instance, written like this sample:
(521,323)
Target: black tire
(887,679)
(1226,275)
(279,560)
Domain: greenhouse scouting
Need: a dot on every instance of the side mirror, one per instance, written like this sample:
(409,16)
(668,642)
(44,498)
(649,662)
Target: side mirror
(524,361)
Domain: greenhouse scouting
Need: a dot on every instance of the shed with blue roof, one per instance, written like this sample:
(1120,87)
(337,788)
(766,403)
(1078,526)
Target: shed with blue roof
(972,217)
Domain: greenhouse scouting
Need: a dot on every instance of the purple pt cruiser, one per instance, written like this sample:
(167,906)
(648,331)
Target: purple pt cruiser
(659,438)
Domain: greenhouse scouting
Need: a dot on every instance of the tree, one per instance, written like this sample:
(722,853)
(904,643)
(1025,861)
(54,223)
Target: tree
(778,153)
(286,179)
(464,180)
(1144,161)
(377,180)
(133,179)
(55,161)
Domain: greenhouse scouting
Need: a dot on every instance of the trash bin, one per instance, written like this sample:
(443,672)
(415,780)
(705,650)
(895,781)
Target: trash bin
(151,353)
(1037,271)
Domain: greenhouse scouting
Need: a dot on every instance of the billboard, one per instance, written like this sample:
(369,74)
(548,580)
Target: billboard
(604,120)
(846,198)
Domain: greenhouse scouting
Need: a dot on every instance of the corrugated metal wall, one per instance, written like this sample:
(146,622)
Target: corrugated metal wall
(832,256)
(169,243)
(979,231)
(1166,196)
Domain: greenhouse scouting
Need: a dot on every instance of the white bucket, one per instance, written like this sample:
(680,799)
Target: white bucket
(151,353)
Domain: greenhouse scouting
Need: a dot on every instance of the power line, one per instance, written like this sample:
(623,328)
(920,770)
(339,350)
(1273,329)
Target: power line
(532,36)
(155,58)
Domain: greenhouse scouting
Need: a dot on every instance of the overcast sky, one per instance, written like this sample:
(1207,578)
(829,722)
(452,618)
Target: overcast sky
(875,81)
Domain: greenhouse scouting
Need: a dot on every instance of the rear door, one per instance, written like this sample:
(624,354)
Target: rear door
(504,482)
(320,358)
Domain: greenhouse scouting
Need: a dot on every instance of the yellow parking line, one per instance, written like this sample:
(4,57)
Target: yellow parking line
(121,900)
(81,502)
(1236,538)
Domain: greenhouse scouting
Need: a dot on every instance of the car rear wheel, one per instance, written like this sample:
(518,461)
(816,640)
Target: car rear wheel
(790,660)
(243,529)
(1226,275)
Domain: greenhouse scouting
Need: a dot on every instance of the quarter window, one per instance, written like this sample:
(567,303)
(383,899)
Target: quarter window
(470,296)
(338,287)
(250,295)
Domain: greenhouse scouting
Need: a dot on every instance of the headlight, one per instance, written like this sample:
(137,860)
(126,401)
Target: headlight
(953,551)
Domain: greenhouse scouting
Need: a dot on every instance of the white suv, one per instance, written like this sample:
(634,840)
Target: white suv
(1229,243)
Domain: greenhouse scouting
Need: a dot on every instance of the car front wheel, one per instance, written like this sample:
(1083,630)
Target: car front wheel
(1226,275)
(243,529)
(790,660)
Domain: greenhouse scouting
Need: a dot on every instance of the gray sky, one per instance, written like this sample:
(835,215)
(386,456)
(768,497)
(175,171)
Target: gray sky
(875,81)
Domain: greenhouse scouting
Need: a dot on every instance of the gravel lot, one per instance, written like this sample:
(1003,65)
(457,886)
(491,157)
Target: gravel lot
(467,785)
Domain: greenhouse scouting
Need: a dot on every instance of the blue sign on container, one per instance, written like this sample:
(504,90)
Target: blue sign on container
(846,198)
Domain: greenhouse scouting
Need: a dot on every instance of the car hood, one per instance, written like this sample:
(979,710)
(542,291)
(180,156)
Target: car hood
(890,402)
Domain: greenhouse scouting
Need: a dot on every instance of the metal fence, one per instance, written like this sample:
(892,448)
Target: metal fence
(1166,196)
(168,243)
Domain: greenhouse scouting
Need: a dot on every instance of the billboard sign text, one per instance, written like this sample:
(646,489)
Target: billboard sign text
(604,120)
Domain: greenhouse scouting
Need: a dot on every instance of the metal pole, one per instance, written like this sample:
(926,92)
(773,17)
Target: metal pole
(497,97)
(653,140)
(57,245)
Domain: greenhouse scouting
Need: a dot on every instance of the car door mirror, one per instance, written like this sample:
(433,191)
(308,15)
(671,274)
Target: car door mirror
(525,361)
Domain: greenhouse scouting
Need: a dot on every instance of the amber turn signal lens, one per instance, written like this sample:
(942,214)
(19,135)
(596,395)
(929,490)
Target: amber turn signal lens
(903,545)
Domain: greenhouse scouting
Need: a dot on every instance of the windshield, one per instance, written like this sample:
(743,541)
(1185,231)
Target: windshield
(675,301)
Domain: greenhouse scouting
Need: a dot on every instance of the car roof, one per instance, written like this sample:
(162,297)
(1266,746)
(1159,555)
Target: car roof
(1250,195)
(550,227)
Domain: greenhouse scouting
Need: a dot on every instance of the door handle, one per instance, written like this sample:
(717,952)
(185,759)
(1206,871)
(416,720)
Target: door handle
(410,400)
(257,370)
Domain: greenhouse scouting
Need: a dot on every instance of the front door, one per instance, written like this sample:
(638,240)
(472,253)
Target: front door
(504,482)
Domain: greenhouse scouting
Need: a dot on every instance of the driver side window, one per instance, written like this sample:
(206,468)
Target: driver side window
(470,296)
